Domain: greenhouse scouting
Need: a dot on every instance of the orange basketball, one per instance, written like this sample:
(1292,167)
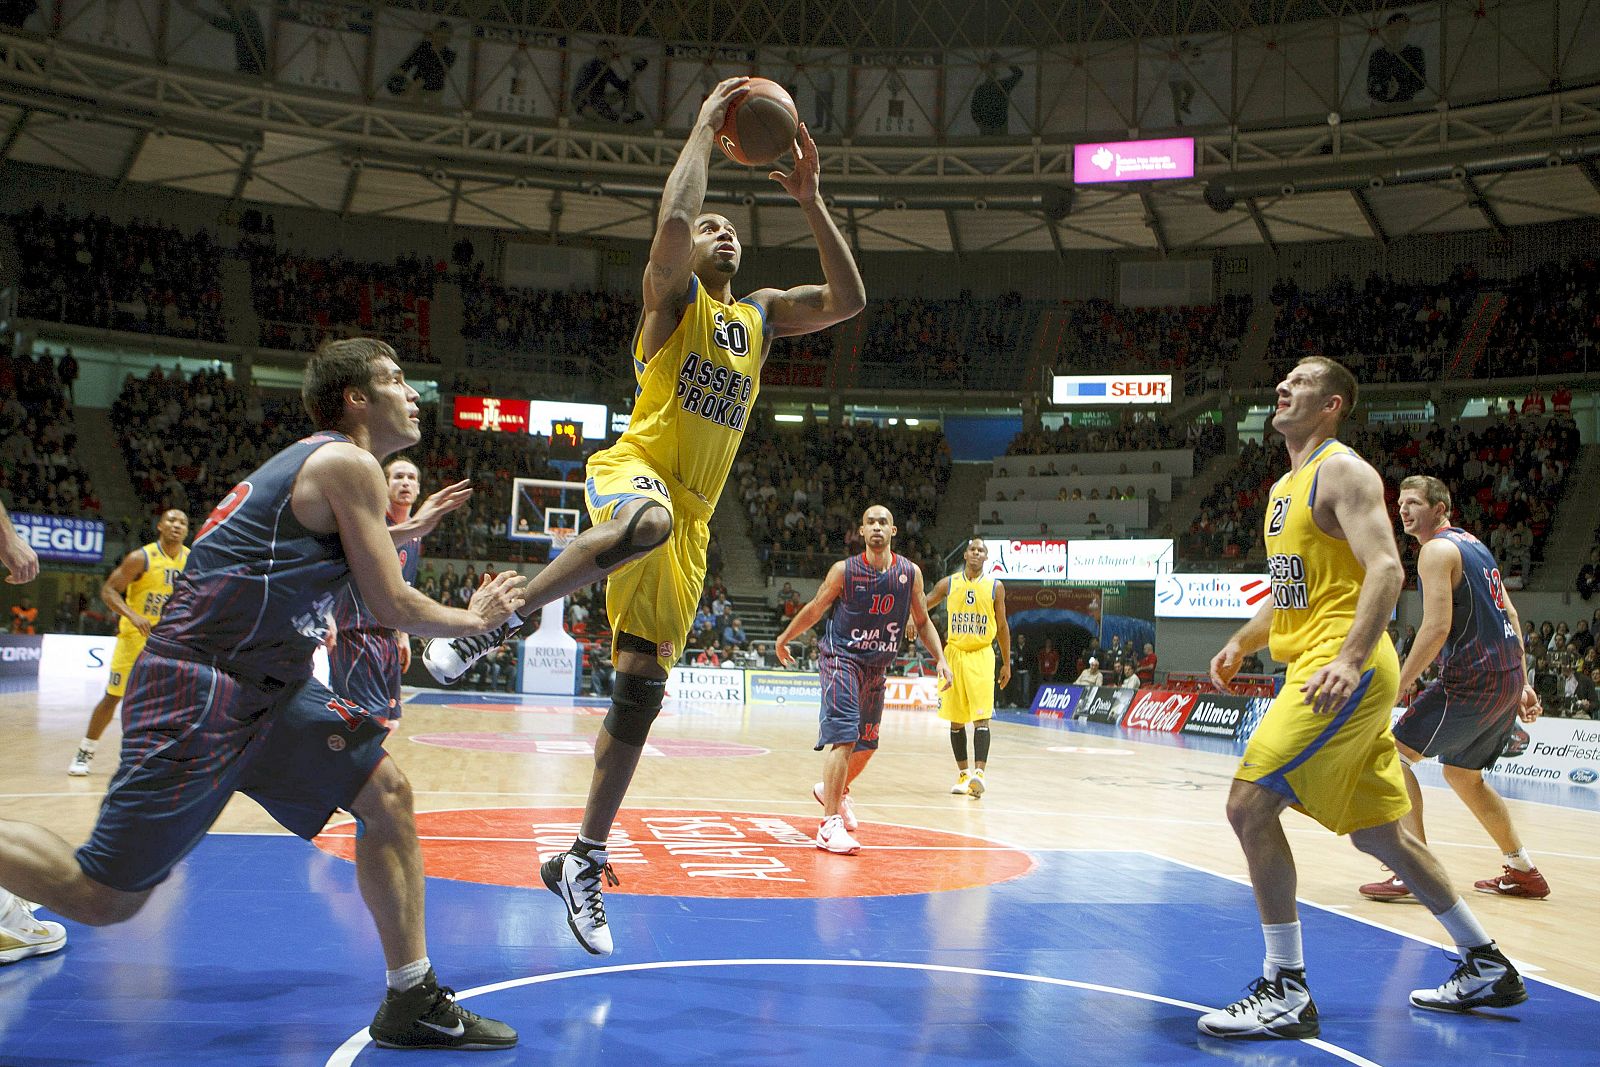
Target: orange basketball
(761,124)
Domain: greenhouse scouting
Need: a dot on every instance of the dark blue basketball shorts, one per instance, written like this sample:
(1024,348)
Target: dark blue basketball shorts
(852,702)
(193,735)
(1464,722)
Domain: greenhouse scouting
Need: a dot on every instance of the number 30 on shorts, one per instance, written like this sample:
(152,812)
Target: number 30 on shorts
(651,485)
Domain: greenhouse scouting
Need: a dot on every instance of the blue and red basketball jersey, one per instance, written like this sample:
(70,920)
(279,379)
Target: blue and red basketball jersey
(259,588)
(1481,635)
(364,663)
(869,617)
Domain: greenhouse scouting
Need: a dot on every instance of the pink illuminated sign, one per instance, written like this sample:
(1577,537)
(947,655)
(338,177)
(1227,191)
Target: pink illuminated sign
(1133,161)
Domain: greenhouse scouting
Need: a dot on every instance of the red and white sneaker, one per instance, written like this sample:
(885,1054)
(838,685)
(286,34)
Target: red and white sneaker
(833,837)
(1391,888)
(1515,883)
(847,810)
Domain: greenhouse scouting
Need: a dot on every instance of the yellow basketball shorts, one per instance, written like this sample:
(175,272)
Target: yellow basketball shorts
(1341,769)
(654,597)
(971,697)
(126,651)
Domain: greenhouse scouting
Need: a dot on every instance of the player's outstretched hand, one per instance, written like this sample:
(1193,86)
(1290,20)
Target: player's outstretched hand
(801,183)
(498,595)
(785,657)
(1529,706)
(1224,665)
(19,558)
(1331,687)
(715,108)
(441,504)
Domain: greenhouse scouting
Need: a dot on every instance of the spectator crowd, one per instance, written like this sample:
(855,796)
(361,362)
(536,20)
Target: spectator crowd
(39,468)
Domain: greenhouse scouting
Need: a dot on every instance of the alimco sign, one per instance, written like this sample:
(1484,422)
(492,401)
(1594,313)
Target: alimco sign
(1086,389)
(1211,596)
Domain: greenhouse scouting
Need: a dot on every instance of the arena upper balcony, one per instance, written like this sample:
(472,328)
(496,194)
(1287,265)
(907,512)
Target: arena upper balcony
(948,130)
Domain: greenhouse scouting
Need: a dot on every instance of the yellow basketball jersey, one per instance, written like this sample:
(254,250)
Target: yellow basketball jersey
(1316,579)
(970,605)
(148,593)
(696,394)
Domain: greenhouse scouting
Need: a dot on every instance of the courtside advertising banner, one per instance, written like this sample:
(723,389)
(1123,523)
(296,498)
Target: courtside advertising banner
(1558,751)
(706,685)
(1085,389)
(1157,709)
(1133,161)
(61,540)
(20,655)
(1104,703)
(1038,560)
(1131,560)
(921,693)
(782,687)
(1211,596)
(1057,701)
(1216,715)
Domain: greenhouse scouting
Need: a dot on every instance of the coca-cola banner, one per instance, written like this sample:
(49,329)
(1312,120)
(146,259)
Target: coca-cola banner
(1057,701)
(1216,715)
(1104,703)
(1158,709)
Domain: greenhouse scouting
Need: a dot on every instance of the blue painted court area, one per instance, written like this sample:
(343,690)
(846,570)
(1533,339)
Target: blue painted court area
(261,952)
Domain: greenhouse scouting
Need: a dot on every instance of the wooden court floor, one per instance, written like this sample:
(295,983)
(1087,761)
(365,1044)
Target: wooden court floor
(500,779)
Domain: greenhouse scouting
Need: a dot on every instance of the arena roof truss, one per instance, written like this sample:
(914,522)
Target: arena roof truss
(1488,165)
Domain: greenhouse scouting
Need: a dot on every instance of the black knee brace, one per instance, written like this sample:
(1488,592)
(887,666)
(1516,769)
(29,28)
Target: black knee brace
(958,743)
(635,703)
(628,544)
(980,741)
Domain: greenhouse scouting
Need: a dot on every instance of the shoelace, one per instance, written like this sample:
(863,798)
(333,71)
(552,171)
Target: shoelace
(589,885)
(1260,991)
(444,999)
(471,647)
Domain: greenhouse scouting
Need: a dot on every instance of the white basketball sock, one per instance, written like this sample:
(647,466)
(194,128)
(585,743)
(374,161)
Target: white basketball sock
(1284,949)
(408,977)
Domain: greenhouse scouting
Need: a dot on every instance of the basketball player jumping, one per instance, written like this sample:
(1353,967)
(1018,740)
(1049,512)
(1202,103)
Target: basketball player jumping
(1466,716)
(871,596)
(975,609)
(137,590)
(697,356)
(1324,745)
(222,699)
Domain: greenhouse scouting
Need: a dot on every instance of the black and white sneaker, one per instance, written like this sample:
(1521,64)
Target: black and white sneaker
(1279,1007)
(1483,979)
(575,878)
(427,1016)
(448,658)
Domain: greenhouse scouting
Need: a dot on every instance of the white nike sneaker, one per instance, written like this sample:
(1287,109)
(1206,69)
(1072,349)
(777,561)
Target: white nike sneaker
(975,785)
(1483,979)
(833,837)
(448,658)
(960,788)
(1279,1007)
(21,935)
(576,880)
(847,810)
(79,767)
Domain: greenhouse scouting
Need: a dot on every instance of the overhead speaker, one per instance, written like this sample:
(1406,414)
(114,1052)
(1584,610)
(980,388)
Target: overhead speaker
(1220,200)
(1056,203)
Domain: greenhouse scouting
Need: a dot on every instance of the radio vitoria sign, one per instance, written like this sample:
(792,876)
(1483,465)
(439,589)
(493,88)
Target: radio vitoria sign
(1211,596)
